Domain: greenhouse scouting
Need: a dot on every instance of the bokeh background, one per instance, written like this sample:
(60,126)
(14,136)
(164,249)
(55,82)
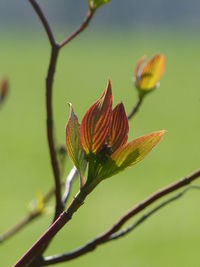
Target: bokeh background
(119,34)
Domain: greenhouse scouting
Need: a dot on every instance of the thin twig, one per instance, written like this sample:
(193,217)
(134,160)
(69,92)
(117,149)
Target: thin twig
(151,212)
(44,21)
(49,87)
(50,127)
(32,215)
(19,225)
(44,240)
(68,184)
(135,108)
(90,246)
(81,28)
(39,247)
(28,218)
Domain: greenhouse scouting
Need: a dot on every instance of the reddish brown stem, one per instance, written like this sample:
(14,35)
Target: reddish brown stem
(54,162)
(44,21)
(49,87)
(90,246)
(38,248)
(145,216)
(42,242)
(135,108)
(28,218)
(85,23)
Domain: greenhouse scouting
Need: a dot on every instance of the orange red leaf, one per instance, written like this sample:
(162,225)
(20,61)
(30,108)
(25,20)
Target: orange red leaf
(96,123)
(119,128)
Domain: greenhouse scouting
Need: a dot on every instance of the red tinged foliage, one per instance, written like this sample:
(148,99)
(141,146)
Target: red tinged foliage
(102,138)
(96,123)
(118,134)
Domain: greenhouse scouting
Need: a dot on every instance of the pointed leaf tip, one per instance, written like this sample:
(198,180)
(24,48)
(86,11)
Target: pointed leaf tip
(71,110)
(109,85)
(96,123)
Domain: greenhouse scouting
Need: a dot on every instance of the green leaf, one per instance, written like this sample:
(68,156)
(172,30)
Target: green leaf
(94,4)
(129,154)
(73,143)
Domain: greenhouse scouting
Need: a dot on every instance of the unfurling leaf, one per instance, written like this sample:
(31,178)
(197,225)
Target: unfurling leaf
(130,154)
(73,143)
(94,4)
(102,141)
(96,123)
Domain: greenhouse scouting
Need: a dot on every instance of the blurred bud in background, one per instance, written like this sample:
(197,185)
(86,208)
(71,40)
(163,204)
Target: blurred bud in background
(3,90)
(37,205)
(148,74)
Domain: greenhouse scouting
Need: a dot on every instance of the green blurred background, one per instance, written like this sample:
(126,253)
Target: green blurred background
(171,237)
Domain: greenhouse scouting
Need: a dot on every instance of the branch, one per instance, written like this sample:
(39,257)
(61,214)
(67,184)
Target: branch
(81,28)
(35,213)
(18,226)
(28,218)
(103,238)
(151,212)
(49,87)
(135,108)
(44,21)
(39,247)
(50,127)
(44,240)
